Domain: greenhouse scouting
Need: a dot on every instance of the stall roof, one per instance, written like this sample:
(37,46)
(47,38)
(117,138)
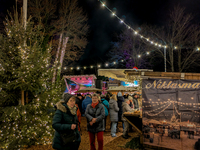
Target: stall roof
(118,74)
(130,74)
(81,79)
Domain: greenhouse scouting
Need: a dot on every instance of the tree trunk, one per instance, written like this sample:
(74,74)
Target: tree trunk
(56,60)
(62,55)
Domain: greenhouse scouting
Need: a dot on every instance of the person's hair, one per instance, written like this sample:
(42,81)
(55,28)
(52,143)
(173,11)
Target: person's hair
(95,94)
(114,96)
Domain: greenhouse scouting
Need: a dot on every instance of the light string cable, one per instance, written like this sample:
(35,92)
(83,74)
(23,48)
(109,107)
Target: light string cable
(157,44)
(159,112)
(157,108)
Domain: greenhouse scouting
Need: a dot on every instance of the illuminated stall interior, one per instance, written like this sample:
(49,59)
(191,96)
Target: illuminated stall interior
(77,82)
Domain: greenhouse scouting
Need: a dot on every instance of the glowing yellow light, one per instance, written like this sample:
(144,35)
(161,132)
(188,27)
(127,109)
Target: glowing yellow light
(99,66)
(147,53)
(106,65)
(91,66)
(84,67)
(139,56)
(136,32)
(175,47)
(114,62)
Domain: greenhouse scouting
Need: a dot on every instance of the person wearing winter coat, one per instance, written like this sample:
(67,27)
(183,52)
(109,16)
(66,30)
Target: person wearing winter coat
(120,100)
(65,121)
(95,114)
(135,101)
(130,98)
(106,107)
(85,102)
(113,114)
(126,108)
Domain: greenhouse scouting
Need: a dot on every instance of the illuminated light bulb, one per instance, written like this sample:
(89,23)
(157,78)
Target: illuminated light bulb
(114,62)
(99,66)
(103,5)
(147,39)
(71,68)
(136,32)
(113,14)
(175,47)
(78,68)
(84,67)
(197,49)
(106,65)
(122,60)
(121,21)
(129,27)
(165,46)
(65,68)
(141,36)
(139,56)
(91,66)
(159,45)
(156,44)
(147,53)
(151,42)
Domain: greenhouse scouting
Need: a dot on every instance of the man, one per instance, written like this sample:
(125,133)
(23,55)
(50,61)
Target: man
(85,102)
(126,108)
(135,101)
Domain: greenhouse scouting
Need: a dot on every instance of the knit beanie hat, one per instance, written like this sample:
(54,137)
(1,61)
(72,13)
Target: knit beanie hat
(130,97)
(119,94)
(66,97)
(126,100)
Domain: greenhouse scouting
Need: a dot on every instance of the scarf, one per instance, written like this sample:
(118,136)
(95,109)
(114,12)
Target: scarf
(94,104)
(72,110)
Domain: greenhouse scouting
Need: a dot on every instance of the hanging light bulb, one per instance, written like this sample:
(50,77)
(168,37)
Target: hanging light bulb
(84,67)
(139,56)
(106,65)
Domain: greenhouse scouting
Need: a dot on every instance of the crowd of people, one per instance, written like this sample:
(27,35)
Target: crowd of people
(95,108)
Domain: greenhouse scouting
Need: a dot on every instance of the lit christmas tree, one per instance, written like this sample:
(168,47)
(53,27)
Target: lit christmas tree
(26,71)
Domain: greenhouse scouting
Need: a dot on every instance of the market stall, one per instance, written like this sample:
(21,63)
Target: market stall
(170,106)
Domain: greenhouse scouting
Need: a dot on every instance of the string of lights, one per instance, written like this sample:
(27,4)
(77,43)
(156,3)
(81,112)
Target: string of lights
(135,32)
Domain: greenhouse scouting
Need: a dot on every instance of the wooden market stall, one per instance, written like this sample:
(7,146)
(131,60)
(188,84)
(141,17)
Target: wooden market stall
(129,75)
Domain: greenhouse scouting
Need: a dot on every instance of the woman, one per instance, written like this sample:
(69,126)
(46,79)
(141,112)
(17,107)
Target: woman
(95,114)
(65,123)
(113,114)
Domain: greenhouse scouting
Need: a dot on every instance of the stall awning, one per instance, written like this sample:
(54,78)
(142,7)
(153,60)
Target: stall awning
(118,74)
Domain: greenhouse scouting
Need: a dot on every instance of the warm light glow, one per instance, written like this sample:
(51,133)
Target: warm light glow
(84,67)
(99,66)
(113,14)
(147,53)
(91,66)
(114,62)
(175,47)
(72,68)
(78,68)
(139,56)
(65,68)
(106,65)
(136,32)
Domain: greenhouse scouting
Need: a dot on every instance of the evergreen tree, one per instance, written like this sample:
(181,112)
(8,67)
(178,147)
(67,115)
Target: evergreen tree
(25,66)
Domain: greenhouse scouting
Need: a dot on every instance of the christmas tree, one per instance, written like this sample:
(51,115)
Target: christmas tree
(26,71)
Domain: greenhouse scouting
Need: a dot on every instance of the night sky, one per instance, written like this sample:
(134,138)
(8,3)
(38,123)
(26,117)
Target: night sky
(104,28)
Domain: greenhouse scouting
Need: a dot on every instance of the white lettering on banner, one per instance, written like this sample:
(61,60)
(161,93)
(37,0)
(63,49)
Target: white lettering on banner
(164,85)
